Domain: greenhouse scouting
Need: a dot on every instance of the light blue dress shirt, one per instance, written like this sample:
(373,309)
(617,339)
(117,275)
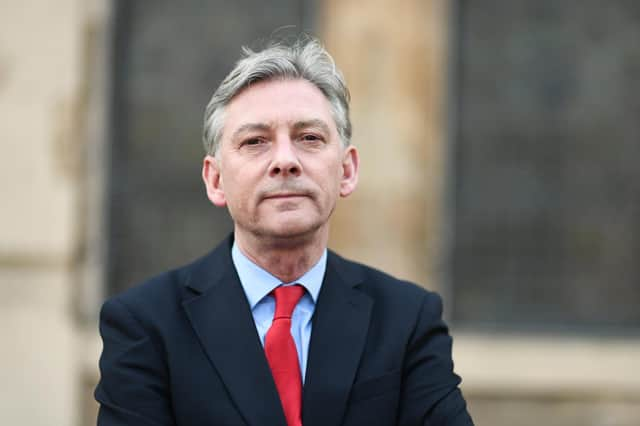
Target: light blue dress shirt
(258,283)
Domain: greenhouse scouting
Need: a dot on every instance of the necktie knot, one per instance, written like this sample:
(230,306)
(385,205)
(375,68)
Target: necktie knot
(287,297)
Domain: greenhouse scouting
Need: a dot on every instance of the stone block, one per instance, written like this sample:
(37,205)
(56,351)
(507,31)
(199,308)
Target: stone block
(39,354)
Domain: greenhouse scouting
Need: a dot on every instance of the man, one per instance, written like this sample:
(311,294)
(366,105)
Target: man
(271,328)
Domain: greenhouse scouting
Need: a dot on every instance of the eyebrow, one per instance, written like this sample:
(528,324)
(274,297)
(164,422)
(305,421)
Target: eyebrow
(299,125)
(249,127)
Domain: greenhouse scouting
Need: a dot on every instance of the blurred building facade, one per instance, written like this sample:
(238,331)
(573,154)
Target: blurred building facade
(499,143)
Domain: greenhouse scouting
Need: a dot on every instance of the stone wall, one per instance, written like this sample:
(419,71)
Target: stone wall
(394,59)
(41,64)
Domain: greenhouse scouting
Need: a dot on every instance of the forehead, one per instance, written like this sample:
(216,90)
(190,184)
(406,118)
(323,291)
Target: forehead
(278,102)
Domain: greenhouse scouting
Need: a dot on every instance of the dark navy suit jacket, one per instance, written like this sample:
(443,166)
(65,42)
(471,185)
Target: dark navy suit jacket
(182,350)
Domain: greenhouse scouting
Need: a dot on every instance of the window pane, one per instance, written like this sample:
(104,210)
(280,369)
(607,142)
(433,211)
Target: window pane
(547,216)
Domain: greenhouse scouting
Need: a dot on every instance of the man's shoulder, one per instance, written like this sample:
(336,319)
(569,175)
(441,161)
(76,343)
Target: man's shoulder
(379,284)
(176,284)
(159,285)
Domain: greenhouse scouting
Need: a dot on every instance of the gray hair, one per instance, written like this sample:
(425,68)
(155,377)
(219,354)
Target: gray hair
(305,59)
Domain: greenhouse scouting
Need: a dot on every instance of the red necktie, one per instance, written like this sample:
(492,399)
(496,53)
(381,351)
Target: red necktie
(282,354)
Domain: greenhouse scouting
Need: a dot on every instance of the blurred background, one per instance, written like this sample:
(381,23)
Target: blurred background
(500,143)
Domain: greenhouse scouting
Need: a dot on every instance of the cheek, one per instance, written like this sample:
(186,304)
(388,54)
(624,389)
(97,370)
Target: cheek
(241,195)
(330,186)
(336,178)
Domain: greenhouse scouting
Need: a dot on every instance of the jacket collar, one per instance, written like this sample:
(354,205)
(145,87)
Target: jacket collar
(221,318)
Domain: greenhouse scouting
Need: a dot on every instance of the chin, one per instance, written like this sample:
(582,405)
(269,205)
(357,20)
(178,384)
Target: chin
(293,230)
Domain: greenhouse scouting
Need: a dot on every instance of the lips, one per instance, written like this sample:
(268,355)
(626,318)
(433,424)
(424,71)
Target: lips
(286,191)
(284,196)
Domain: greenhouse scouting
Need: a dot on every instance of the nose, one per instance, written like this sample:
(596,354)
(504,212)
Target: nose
(285,162)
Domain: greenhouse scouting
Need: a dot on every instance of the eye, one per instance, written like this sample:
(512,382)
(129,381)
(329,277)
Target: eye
(310,137)
(253,142)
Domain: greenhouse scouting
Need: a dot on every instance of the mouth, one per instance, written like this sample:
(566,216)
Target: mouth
(284,196)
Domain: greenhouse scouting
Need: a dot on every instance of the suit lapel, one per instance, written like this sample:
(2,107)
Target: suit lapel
(221,317)
(340,326)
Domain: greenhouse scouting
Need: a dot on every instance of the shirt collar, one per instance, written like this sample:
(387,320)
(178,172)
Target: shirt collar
(257,282)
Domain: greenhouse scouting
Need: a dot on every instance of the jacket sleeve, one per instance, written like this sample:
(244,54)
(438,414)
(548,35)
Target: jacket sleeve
(133,387)
(430,394)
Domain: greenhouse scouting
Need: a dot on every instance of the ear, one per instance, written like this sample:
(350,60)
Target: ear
(350,164)
(213,181)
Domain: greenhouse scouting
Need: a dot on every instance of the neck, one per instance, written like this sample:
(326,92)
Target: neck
(286,258)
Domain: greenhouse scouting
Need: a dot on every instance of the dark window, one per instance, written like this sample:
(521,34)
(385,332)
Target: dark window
(547,165)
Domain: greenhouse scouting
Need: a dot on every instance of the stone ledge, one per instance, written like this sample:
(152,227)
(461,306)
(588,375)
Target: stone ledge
(548,366)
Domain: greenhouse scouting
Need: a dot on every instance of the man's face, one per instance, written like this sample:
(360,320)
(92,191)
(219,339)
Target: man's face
(280,166)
